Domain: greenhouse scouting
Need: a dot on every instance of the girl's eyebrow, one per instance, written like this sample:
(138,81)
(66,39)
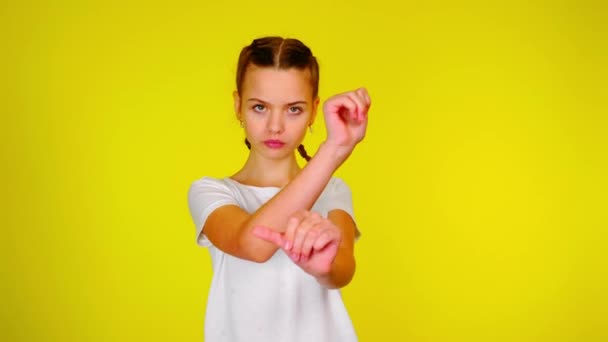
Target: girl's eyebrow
(297,102)
(256,100)
(253,99)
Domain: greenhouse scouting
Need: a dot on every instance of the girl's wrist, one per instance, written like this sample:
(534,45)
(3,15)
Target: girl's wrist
(334,152)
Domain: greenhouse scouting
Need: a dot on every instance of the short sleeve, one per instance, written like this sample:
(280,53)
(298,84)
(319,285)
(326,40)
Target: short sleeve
(204,196)
(340,197)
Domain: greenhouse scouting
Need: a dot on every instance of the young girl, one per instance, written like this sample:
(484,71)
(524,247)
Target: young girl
(281,237)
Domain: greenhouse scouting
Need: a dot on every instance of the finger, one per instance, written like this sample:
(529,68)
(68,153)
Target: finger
(356,113)
(293,256)
(311,237)
(351,107)
(315,220)
(359,102)
(364,95)
(301,232)
(326,237)
(290,231)
(331,251)
(315,216)
(369,99)
(361,93)
(268,234)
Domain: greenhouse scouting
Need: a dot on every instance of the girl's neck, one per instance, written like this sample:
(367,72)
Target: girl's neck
(266,172)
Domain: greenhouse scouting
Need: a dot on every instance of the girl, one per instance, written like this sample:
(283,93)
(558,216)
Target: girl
(281,237)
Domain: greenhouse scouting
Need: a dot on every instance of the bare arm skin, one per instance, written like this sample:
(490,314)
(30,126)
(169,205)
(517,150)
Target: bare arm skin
(229,227)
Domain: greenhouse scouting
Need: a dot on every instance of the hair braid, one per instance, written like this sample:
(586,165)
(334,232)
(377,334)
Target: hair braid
(303,153)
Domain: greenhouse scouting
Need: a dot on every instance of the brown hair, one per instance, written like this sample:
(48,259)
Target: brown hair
(280,53)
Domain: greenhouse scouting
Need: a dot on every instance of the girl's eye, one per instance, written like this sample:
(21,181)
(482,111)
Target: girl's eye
(295,110)
(258,108)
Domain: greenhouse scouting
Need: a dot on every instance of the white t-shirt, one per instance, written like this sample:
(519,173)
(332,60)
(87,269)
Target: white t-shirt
(271,301)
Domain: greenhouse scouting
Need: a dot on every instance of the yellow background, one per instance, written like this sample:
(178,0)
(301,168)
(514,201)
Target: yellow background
(481,188)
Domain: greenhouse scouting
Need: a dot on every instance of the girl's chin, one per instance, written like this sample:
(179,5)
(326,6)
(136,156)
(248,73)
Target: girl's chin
(277,154)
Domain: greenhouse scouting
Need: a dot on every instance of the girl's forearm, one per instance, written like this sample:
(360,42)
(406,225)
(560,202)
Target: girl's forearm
(342,271)
(300,194)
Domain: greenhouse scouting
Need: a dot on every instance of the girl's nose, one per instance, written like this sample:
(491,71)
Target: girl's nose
(275,123)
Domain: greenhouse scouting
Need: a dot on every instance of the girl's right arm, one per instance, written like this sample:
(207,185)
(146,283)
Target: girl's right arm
(229,227)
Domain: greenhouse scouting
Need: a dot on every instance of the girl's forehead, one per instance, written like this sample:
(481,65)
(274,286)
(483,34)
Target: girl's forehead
(277,85)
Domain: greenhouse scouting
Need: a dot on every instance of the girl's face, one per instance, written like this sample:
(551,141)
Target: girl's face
(276,107)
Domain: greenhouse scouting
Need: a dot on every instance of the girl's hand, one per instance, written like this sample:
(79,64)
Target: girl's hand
(311,241)
(346,118)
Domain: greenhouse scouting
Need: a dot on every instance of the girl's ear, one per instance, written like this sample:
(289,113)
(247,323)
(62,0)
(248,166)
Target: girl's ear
(237,104)
(313,114)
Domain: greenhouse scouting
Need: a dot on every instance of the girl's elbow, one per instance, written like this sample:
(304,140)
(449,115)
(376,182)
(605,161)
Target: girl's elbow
(348,276)
(253,251)
(260,259)
(258,255)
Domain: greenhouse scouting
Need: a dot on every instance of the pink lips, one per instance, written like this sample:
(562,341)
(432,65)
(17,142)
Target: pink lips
(274,143)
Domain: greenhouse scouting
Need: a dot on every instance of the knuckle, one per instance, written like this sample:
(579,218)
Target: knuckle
(319,226)
(300,213)
(301,233)
(314,232)
(308,243)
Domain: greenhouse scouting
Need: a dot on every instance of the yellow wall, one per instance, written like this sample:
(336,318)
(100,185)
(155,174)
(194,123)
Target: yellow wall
(480,188)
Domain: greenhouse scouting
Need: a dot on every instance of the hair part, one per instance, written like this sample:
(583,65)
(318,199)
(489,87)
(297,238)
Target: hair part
(282,54)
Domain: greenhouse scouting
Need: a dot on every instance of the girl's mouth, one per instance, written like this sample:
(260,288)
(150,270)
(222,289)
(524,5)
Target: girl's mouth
(275,144)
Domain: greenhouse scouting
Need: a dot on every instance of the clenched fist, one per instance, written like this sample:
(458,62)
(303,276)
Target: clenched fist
(346,118)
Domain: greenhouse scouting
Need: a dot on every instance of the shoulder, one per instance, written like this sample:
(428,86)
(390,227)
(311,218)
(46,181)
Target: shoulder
(337,184)
(208,181)
(209,185)
(337,191)
(338,181)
